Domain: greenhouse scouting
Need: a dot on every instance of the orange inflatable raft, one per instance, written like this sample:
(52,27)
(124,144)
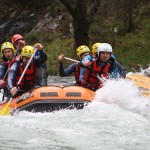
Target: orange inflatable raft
(52,97)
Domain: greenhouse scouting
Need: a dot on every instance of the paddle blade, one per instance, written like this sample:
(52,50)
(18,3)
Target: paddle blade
(145,93)
(142,82)
(138,77)
(139,80)
(5,110)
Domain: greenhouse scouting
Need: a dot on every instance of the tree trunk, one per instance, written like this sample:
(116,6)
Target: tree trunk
(128,12)
(81,19)
(130,26)
(81,24)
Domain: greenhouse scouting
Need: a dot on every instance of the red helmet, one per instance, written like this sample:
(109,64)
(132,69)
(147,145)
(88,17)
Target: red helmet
(17,37)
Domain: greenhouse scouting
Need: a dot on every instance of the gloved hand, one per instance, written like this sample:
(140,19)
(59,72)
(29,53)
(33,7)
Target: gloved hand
(22,42)
(13,91)
(2,83)
(61,57)
(86,61)
(39,46)
(83,82)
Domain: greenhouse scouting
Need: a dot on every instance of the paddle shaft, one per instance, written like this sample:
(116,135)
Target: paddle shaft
(72,60)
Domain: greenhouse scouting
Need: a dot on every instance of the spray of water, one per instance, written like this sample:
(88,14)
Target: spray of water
(116,119)
(125,94)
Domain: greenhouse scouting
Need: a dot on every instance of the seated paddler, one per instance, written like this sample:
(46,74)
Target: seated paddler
(16,70)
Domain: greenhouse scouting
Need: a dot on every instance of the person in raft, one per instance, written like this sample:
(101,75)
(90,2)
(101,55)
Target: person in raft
(29,79)
(8,58)
(104,67)
(19,42)
(81,52)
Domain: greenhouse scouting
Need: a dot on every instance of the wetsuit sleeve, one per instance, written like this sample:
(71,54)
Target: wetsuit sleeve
(121,70)
(40,57)
(82,73)
(3,69)
(12,75)
(68,71)
(43,55)
(61,69)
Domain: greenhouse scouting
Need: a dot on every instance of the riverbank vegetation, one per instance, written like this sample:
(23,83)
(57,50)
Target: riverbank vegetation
(123,24)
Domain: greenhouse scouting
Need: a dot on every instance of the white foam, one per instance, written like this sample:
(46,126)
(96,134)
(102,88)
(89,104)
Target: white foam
(125,94)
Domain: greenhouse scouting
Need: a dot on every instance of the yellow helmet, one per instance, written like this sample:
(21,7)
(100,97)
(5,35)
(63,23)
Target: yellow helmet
(7,45)
(82,49)
(94,48)
(27,51)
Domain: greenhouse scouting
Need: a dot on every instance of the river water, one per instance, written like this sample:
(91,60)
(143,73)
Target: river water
(118,119)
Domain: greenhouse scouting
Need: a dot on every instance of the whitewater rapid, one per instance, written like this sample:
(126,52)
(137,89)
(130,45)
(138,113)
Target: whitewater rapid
(118,119)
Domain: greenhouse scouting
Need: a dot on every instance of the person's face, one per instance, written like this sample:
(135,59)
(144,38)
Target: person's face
(84,55)
(8,53)
(104,56)
(19,44)
(94,55)
(25,59)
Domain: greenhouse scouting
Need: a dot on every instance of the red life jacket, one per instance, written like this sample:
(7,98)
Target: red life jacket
(77,74)
(8,65)
(10,62)
(18,57)
(90,78)
(29,77)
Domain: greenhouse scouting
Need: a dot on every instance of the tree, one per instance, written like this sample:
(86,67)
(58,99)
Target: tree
(128,7)
(82,18)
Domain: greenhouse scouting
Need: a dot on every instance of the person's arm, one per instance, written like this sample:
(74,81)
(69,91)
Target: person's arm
(12,75)
(61,69)
(3,69)
(82,73)
(40,56)
(68,71)
(121,70)
(43,55)
(87,61)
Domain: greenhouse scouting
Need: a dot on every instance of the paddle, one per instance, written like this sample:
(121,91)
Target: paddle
(72,60)
(140,80)
(5,110)
(101,79)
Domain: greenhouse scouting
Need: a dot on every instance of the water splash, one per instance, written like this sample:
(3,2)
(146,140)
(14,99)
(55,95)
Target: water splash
(125,94)
(111,121)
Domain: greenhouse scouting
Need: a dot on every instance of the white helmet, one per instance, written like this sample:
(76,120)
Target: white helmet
(104,47)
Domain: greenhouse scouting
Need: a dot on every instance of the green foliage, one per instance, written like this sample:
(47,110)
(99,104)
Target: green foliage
(54,46)
(131,49)
(54,49)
